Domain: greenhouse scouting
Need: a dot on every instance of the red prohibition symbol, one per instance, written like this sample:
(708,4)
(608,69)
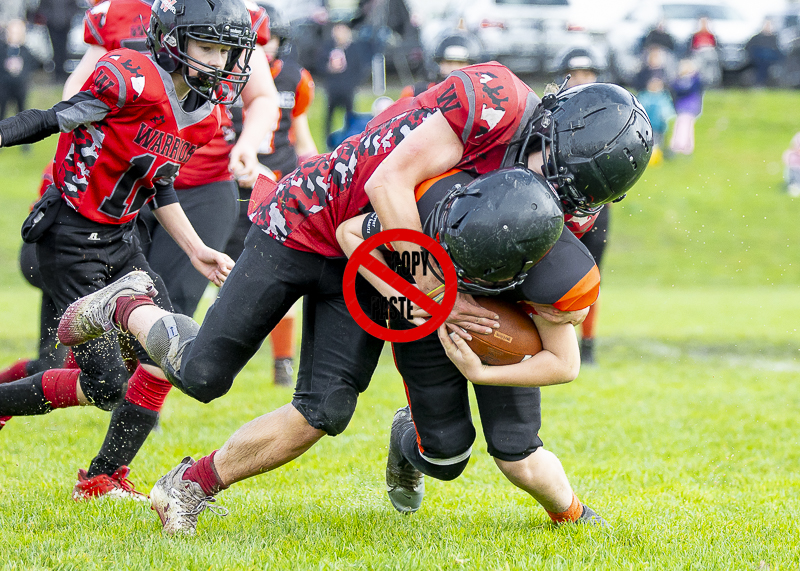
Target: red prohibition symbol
(438,311)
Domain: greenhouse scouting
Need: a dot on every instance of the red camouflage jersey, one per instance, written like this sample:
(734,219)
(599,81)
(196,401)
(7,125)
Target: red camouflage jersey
(115,24)
(210,163)
(486,105)
(126,136)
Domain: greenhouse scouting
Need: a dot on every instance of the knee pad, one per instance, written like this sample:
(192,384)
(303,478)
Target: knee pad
(166,342)
(337,410)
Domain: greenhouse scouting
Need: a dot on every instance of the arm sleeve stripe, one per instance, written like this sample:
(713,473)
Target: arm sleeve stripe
(92,30)
(81,112)
(468,87)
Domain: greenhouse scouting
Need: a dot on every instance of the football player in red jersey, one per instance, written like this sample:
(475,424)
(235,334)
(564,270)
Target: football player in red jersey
(207,193)
(593,142)
(125,136)
(543,264)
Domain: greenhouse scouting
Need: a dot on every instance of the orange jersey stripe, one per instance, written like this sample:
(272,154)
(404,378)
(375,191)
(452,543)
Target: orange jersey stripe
(583,294)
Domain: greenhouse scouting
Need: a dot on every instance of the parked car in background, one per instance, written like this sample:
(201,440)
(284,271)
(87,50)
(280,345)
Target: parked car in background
(681,17)
(525,35)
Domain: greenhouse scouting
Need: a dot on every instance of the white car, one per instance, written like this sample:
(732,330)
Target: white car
(681,18)
(524,35)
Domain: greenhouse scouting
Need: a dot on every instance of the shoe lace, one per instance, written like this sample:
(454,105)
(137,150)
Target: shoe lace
(191,507)
(406,477)
(101,315)
(125,484)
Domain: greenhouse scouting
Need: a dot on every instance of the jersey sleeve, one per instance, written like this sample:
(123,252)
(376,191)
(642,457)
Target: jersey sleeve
(93,23)
(260,21)
(119,78)
(455,98)
(566,278)
(304,94)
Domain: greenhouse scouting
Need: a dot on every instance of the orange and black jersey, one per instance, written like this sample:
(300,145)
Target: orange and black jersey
(295,93)
(567,277)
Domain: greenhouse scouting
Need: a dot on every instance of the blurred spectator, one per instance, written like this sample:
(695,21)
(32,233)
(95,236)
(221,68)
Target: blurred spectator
(15,69)
(703,37)
(582,64)
(658,37)
(687,91)
(658,62)
(791,162)
(657,103)
(57,16)
(355,123)
(343,71)
(763,51)
(13,10)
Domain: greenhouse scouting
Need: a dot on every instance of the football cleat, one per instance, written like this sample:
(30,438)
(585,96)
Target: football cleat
(590,517)
(93,315)
(587,352)
(116,486)
(284,372)
(178,502)
(3,420)
(404,483)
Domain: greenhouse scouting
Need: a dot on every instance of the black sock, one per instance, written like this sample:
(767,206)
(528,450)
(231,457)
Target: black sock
(127,432)
(24,397)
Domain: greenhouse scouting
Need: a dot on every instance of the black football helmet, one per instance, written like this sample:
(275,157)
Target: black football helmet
(227,22)
(600,141)
(496,228)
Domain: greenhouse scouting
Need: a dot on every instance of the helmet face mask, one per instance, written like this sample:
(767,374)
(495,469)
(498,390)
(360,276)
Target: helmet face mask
(595,140)
(496,228)
(173,24)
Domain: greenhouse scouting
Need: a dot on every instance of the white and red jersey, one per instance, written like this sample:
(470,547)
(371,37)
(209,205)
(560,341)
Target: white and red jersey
(210,163)
(486,105)
(125,136)
(115,24)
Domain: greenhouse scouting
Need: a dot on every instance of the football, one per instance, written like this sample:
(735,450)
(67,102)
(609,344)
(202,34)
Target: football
(515,340)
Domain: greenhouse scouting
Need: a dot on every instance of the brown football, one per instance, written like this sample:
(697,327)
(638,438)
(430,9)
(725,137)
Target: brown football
(516,339)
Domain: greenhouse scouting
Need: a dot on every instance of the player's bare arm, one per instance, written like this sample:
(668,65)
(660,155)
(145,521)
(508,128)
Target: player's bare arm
(83,71)
(556,316)
(260,100)
(304,144)
(428,151)
(213,264)
(557,363)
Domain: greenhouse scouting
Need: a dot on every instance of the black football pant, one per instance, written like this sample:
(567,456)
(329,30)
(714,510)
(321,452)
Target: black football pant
(439,401)
(337,357)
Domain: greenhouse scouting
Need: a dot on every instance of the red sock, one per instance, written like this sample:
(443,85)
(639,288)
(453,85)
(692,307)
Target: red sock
(572,513)
(204,473)
(60,387)
(146,390)
(69,362)
(15,372)
(125,306)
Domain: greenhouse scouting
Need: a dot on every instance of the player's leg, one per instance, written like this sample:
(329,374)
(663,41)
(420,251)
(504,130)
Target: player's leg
(212,210)
(438,441)
(337,359)
(595,241)
(511,419)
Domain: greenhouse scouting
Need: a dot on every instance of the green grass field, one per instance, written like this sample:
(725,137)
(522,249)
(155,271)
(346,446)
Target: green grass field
(684,438)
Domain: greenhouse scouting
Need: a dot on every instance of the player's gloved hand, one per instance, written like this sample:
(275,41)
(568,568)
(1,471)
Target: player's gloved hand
(244,165)
(462,356)
(213,264)
(466,316)
(558,317)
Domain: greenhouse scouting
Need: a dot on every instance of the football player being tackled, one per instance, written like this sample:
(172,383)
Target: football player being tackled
(505,234)
(592,142)
(124,138)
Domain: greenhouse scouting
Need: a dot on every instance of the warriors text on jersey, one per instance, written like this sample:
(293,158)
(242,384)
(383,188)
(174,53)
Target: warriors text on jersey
(125,138)
(486,105)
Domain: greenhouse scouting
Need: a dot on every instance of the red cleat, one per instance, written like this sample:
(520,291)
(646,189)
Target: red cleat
(115,486)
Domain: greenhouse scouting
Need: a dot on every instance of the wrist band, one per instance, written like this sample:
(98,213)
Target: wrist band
(435,291)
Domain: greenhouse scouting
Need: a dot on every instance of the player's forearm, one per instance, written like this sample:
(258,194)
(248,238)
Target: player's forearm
(260,99)
(541,370)
(304,144)
(28,126)
(174,221)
